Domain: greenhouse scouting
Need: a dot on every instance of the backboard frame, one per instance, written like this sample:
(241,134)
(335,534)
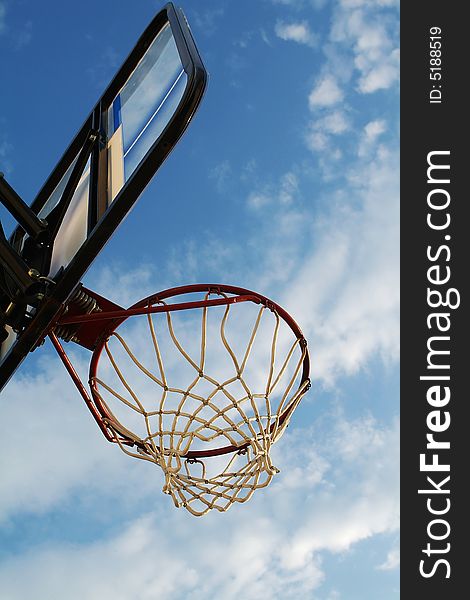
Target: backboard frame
(102,219)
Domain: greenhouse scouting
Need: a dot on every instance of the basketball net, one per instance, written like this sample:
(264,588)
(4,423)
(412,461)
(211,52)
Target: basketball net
(214,448)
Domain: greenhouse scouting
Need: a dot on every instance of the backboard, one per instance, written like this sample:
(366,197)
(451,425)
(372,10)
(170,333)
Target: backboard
(127,136)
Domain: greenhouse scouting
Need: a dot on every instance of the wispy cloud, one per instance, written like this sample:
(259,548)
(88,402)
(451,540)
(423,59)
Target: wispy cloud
(371,36)
(335,122)
(338,269)
(297,4)
(294,3)
(221,175)
(372,131)
(24,36)
(18,37)
(346,290)
(260,553)
(326,92)
(368,3)
(3,12)
(321,131)
(361,58)
(361,31)
(104,66)
(297,32)
(289,188)
(265,37)
(207,20)
(392,561)
(281,194)
(5,152)
(121,285)
(37,402)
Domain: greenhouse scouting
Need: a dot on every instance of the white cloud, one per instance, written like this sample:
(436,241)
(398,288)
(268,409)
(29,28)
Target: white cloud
(321,132)
(5,148)
(289,186)
(371,38)
(372,131)
(392,561)
(317,4)
(19,37)
(265,37)
(326,92)
(258,200)
(346,291)
(297,32)
(317,140)
(258,552)
(221,174)
(335,123)
(364,58)
(373,3)
(374,128)
(289,2)
(382,76)
(281,195)
(207,20)
(124,286)
(321,137)
(340,272)
(51,446)
(104,66)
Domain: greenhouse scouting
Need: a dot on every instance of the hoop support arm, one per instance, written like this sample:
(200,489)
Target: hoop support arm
(79,385)
(145,310)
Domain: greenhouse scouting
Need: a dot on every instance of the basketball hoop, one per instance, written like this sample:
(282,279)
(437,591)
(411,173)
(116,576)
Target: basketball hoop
(206,409)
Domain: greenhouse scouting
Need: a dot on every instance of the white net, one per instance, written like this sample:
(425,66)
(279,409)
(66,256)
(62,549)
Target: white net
(205,399)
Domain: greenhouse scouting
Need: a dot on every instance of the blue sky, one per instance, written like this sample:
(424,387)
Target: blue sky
(286,182)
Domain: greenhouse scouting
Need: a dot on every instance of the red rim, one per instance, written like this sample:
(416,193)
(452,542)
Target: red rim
(187,289)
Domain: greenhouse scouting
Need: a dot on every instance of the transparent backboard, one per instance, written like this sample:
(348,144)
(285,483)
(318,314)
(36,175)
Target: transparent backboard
(137,122)
(136,118)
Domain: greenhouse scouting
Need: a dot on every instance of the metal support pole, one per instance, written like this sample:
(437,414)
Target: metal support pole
(28,220)
(15,266)
(81,388)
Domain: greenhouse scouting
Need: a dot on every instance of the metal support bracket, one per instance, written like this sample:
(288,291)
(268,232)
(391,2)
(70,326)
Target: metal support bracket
(57,214)
(24,215)
(24,278)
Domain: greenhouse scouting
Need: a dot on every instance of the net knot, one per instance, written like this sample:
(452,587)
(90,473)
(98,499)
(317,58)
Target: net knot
(269,305)
(168,486)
